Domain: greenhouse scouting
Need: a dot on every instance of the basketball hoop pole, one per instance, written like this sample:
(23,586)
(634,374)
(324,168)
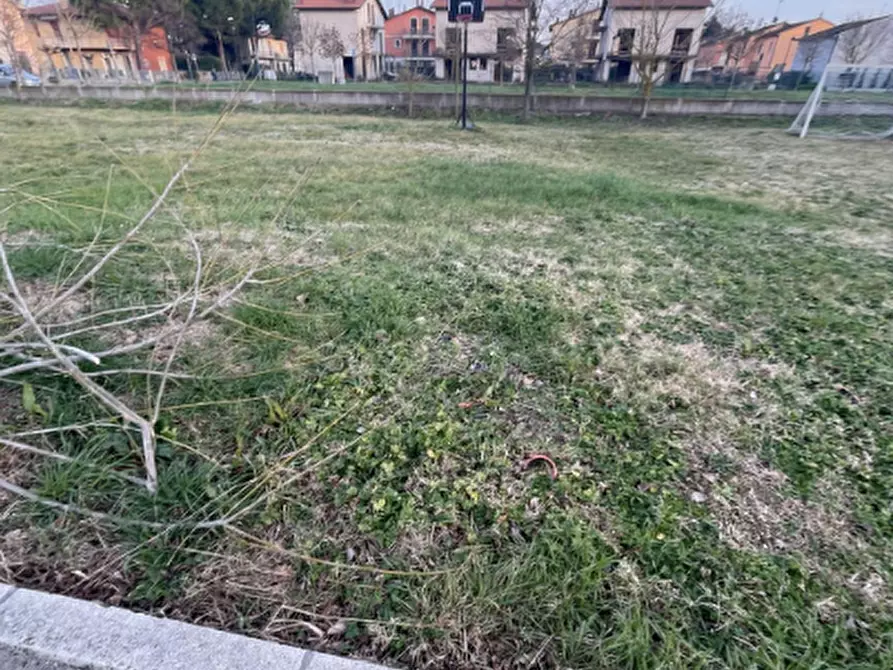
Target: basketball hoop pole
(465,80)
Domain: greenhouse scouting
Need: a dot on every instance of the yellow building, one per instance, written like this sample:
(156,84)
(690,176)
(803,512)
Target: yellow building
(15,43)
(272,54)
(71,46)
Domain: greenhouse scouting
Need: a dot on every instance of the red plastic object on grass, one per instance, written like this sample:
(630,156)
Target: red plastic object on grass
(542,457)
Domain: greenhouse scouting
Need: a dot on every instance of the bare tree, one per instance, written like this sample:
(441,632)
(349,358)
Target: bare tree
(533,30)
(740,46)
(575,40)
(858,44)
(291,33)
(331,46)
(310,37)
(658,34)
(363,41)
(79,22)
(410,77)
(11,32)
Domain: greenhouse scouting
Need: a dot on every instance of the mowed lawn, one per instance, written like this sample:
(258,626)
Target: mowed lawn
(693,320)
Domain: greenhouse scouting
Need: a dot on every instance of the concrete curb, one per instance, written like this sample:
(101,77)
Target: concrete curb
(41,630)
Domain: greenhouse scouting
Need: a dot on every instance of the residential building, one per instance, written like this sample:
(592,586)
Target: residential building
(713,56)
(670,29)
(409,39)
(860,44)
(15,46)
(576,40)
(66,45)
(341,40)
(495,46)
(271,55)
(771,50)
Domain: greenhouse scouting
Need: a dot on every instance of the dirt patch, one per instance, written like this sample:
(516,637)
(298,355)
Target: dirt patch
(72,558)
(755,509)
(751,503)
(650,370)
(39,293)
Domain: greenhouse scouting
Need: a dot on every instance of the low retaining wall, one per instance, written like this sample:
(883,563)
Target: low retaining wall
(445,102)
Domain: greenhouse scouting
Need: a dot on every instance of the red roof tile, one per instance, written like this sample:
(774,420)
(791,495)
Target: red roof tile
(41,10)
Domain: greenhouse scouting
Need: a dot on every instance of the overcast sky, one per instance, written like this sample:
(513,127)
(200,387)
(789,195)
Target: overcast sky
(791,10)
(797,10)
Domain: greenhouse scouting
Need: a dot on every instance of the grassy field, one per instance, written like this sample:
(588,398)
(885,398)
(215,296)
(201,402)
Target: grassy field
(692,319)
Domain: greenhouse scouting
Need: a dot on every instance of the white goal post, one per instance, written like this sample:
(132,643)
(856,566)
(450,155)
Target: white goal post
(849,84)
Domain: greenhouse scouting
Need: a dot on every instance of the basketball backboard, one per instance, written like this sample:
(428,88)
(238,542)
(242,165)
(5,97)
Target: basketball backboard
(465,10)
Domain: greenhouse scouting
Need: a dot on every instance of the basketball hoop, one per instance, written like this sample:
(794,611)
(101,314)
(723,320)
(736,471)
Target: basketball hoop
(465,13)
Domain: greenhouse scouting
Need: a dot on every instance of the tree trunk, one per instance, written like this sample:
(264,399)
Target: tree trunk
(732,80)
(572,83)
(221,52)
(79,52)
(529,61)
(138,52)
(647,90)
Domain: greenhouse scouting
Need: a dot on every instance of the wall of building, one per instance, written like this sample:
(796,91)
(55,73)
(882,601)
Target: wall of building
(484,59)
(814,56)
(398,26)
(156,55)
(787,43)
(643,22)
(572,40)
(350,24)
(14,42)
(67,45)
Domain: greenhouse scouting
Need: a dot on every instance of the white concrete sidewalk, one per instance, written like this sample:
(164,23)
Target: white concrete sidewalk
(40,631)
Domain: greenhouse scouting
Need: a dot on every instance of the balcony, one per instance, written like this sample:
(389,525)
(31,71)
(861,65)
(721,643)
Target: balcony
(418,35)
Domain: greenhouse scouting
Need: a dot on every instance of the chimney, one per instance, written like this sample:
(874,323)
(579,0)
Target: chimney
(390,12)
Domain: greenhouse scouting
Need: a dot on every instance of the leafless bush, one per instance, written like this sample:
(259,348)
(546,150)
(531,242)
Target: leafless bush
(42,329)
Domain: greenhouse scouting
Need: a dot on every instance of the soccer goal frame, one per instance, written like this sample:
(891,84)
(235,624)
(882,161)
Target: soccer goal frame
(872,81)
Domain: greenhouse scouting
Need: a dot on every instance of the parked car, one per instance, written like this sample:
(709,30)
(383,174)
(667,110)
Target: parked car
(8,77)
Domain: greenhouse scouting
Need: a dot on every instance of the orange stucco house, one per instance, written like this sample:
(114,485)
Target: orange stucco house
(773,48)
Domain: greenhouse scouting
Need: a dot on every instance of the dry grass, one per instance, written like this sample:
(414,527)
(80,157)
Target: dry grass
(695,338)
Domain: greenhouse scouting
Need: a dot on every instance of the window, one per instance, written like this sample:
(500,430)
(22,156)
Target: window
(426,26)
(504,39)
(682,40)
(413,26)
(483,63)
(414,47)
(626,38)
(595,27)
(452,38)
(592,51)
(426,48)
(56,31)
(397,44)
(472,63)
